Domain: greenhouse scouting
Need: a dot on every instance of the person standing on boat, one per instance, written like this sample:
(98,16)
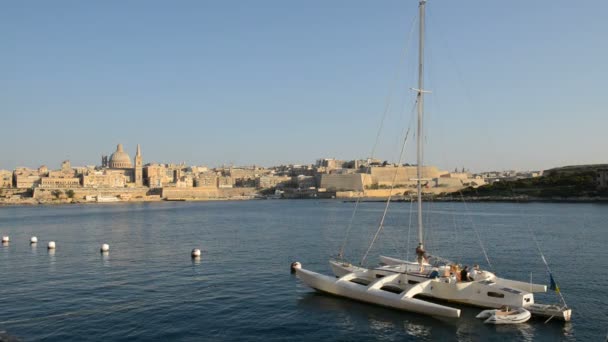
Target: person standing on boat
(421,253)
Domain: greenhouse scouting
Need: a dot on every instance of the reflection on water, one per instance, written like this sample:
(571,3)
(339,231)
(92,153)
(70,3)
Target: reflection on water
(105,257)
(196,260)
(52,259)
(379,319)
(382,320)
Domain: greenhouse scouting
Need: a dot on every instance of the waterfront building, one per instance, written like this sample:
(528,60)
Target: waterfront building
(206,179)
(6,179)
(25,178)
(60,182)
(265,182)
(224,182)
(105,178)
(306,182)
(602,178)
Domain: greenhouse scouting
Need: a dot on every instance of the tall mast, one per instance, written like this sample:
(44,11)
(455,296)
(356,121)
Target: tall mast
(420,112)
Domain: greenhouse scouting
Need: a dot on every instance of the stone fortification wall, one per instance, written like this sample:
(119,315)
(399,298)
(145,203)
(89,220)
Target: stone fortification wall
(82,193)
(345,182)
(405,174)
(380,193)
(15,192)
(206,194)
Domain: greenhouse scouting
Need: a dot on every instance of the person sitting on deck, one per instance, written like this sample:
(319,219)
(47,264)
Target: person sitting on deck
(476,272)
(464,274)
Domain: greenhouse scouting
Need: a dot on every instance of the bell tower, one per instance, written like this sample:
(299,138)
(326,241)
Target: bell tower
(138,168)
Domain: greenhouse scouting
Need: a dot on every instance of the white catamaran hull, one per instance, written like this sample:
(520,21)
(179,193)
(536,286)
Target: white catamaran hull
(488,291)
(373,293)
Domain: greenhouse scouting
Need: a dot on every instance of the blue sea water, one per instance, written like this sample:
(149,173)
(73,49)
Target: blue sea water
(148,287)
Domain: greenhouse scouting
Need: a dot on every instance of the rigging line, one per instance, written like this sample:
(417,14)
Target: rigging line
(390,193)
(485,254)
(387,107)
(548,269)
(545,261)
(457,234)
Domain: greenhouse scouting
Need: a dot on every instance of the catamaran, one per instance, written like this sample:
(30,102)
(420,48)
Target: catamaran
(406,285)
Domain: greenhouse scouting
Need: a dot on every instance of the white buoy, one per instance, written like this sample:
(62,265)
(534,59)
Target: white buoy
(295,266)
(6,239)
(33,239)
(196,253)
(105,247)
(51,245)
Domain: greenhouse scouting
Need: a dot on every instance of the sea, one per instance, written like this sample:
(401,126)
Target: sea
(148,288)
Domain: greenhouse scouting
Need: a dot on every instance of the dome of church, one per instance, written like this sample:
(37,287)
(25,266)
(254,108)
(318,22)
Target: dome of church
(120,159)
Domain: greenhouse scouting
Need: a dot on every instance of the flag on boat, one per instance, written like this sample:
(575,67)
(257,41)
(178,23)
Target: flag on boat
(552,284)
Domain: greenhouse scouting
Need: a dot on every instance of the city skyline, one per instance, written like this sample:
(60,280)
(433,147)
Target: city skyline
(275,83)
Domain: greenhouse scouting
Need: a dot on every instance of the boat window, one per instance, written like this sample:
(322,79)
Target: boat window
(360,281)
(510,290)
(391,288)
(379,275)
(412,282)
(496,294)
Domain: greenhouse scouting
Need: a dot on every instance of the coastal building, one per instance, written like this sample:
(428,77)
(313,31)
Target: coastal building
(602,178)
(117,171)
(306,182)
(6,179)
(24,178)
(105,178)
(206,179)
(328,164)
(224,182)
(60,182)
(266,182)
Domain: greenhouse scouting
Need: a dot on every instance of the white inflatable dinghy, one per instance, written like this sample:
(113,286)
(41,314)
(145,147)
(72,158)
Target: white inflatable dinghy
(505,315)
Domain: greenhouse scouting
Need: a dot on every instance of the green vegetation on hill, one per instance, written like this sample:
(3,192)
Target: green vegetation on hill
(555,184)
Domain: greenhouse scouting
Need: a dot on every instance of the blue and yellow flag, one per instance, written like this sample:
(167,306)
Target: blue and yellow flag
(552,285)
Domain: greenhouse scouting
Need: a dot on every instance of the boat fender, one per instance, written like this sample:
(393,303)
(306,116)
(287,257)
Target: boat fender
(295,266)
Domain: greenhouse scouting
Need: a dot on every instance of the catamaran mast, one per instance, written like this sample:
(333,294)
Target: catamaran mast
(420,112)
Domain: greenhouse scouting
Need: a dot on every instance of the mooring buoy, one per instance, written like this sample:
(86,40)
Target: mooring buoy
(33,239)
(196,253)
(6,239)
(51,245)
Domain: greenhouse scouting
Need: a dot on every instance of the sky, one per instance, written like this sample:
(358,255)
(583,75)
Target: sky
(515,84)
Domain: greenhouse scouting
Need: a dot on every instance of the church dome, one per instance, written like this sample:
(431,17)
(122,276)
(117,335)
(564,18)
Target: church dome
(120,159)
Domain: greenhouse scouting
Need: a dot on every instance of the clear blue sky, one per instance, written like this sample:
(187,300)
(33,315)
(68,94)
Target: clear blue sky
(516,84)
